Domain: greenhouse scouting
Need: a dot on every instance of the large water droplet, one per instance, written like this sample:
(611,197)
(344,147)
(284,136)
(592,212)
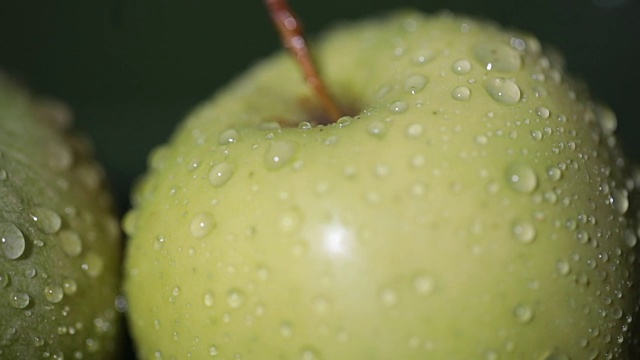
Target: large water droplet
(4,279)
(208,299)
(461,67)
(220,174)
(542,112)
(235,298)
(46,219)
(11,240)
(278,154)
(497,56)
(19,300)
(398,107)
(201,224)
(93,264)
(228,136)
(524,231)
(503,90)
(461,93)
(620,200)
(521,177)
(523,313)
(607,119)
(53,293)
(415,83)
(563,267)
(69,286)
(70,242)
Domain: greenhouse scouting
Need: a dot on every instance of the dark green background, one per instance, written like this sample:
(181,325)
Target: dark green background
(131,69)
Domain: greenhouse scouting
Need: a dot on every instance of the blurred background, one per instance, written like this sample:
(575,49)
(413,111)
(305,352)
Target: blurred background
(132,69)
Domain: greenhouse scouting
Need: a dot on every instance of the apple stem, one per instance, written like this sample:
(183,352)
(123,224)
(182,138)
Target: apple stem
(291,33)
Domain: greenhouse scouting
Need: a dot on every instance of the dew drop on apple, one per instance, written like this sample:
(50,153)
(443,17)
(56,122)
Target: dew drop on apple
(554,173)
(423,284)
(398,107)
(414,130)
(620,200)
(235,298)
(415,83)
(158,242)
(461,66)
(19,300)
(289,221)
(4,279)
(310,353)
(69,286)
(220,174)
(376,128)
(11,240)
(227,137)
(555,355)
(70,242)
(524,231)
(278,154)
(201,224)
(521,178)
(92,264)
(3,175)
(543,112)
(536,135)
(497,56)
(607,119)
(60,156)
(503,90)
(523,313)
(388,297)
(461,93)
(213,350)
(53,293)
(630,238)
(424,56)
(46,219)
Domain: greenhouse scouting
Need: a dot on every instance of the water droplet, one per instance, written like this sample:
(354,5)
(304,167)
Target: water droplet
(46,219)
(93,264)
(19,300)
(524,231)
(503,90)
(620,200)
(424,284)
(227,137)
(30,272)
(415,83)
(424,56)
(607,119)
(497,56)
(208,299)
(235,298)
(70,242)
(461,67)
(523,313)
(305,125)
(413,130)
(220,174)
(554,173)
(536,135)
(389,297)
(344,121)
(289,220)
(481,140)
(4,279)
(563,267)
(3,175)
(213,350)
(278,154)
(310,354)
(69,286)
(11,240)
(554,355)
(461,93)
(521,178)
(201,224)
(60,156)
(542,112)
(630,238)
(53,293)
(398,107)
(286,330)
(377,128)
(158,242)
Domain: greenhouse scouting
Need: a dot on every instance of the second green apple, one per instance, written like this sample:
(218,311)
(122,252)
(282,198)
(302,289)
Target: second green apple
(475,206)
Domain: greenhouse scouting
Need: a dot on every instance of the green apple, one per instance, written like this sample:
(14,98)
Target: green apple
(474,205)
(59,237)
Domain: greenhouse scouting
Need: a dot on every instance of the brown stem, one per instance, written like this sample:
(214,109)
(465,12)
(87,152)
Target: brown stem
(291,32)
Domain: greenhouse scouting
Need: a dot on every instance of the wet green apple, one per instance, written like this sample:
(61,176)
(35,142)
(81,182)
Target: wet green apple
(59,237)
(474,205)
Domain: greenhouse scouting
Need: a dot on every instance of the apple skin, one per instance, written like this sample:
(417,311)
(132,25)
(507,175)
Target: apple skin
(476,207)
(60,242)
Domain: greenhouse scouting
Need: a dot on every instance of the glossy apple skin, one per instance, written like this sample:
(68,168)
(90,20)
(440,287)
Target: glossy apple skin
(60,240)
(437,223)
